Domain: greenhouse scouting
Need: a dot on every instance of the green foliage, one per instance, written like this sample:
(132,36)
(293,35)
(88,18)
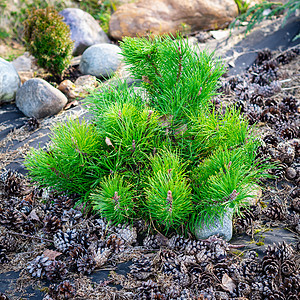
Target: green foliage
(66,164)
(168,195)
(47,38)
(114,199)
(212,129)
(255,14)
(242,6)
(180,80)
(168,157)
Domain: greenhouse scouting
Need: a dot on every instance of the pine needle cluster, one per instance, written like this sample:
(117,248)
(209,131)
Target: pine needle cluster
(170,157)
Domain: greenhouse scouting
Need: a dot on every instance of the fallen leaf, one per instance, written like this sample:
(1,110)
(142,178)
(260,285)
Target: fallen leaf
(33,216)
(227,283)
(51,254)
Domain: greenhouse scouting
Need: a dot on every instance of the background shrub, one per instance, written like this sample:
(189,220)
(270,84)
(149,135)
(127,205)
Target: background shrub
(47,38)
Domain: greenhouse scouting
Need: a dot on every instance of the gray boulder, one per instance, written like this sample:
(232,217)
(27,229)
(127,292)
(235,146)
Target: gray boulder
(37,98)
(219,226)
(85,31)
(100,60)
(9,81)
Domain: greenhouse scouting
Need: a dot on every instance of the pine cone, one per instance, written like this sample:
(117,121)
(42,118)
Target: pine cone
(296,204)
(28,227)
(13,182)
(38,267)
(62,291)
(11,218)
(263,56)
(151,242)
(9,242)
(177,242)
(57,270)
(243,289)
(64,240)
(32,124)
(149,290)
(52,224)
(127,234)
(101,256)
(207,281)
(141,268)
(270,266)
(115,243)
(275,210)
(281,252)
(220,269)
(85,264)
(71,216)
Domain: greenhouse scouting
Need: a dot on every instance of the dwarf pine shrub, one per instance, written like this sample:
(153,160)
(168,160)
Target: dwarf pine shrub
(48,39)
(171,157)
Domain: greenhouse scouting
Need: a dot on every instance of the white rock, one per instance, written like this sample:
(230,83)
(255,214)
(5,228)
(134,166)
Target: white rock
(100,60)
(9,81)
(85,31)
(37,98)
(24,63)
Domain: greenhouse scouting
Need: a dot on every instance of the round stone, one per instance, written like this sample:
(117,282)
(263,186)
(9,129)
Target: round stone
(100,60)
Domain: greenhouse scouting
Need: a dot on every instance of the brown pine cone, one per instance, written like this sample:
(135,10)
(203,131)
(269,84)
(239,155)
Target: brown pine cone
(3,296)
(57,270)
(141,268)
(3,257)
(275,210)
(62,291)
(115,243)
(270,266)
(52,224)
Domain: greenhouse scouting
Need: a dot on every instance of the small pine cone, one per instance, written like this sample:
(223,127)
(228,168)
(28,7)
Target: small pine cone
(57,270)
(293,220)
(288,267)
(101,256)
(220,269)
(32,124)
(296,204)
(207,281)
(193,247)
(263,56)
(281,252)
(71,216)
(76,251)
(3,257)
(275,295)
(62,291)
(244,222)
(11,218)
(149,290)
(289,104)
(28,227)
(256,99)
(38,267)
(249,269)
(242,91)
(287,152)
(167,255)
(290,284)
(177,242)
(151,242)
(64,240)
(127,234)
(52,224)
(85,264)
(115,243)
(243,289)
(271,139)
(270,266)
(3,296)
(141,268)
(13,182)
(9,242)
(275,210)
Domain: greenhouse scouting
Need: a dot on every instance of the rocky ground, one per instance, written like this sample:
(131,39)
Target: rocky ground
(51,250)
